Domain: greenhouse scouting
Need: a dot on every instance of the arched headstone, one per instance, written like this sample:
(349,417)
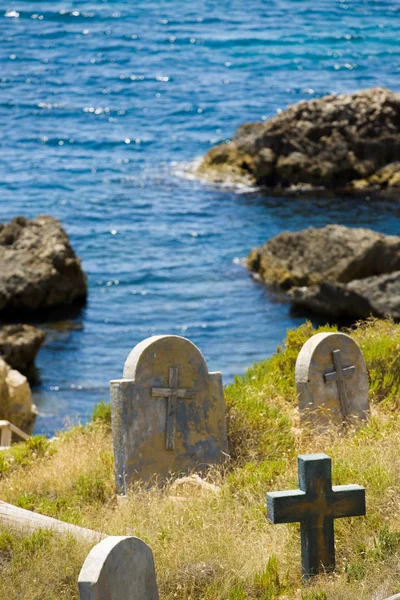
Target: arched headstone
(331,380)
(168,413)
(118,568)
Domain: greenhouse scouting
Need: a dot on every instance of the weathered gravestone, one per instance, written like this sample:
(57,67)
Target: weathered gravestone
(168,413)
(316,504)
(118,568)
(331,380)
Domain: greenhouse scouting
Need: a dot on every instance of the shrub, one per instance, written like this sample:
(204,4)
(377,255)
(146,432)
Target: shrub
(102,413)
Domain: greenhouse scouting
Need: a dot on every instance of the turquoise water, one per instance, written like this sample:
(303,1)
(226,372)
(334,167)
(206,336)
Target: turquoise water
(102,107)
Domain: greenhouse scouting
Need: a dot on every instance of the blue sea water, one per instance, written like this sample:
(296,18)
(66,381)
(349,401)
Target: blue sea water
(104,104)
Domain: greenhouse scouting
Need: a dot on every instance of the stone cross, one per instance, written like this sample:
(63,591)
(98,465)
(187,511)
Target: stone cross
(171,393)
(168,413)
(118,568)
(331,380)
(316,504)
(339,376)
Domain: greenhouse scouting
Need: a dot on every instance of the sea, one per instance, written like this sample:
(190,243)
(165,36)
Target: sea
(104,108)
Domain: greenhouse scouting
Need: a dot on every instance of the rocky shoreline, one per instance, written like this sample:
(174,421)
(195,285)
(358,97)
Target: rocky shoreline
(16,403)
(346,142)
(40,271)
(39,268)
(19,345)
(334,270)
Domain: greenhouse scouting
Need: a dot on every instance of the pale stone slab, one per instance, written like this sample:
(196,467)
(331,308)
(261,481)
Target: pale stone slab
(331,380)
(119,568)
(168,413)
(13,517)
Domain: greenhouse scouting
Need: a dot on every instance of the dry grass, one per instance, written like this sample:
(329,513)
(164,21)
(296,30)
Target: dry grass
(39,566)
(219,546)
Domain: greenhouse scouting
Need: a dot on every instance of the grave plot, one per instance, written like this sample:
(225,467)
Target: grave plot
(217,543)
(315,505)
(119,568)
(331,381)
(168,412)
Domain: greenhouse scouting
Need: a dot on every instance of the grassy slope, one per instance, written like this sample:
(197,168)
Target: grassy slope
(220,546)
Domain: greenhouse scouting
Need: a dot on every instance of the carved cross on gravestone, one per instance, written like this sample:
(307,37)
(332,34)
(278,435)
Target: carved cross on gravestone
(316,504)
(172,393)
(167,400)
(339,375)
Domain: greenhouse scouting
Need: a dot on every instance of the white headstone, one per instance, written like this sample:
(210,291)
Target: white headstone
(331,380)
(119,568)
(168,413)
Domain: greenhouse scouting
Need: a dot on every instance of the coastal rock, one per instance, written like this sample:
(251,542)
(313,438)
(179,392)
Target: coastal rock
(345,141)
(19,345)
(334,270)
(331,253)
(39,267)
(15,398)
(378,296)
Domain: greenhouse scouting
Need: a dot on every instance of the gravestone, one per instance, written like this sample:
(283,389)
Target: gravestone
(316,504)
(168,412)
(118,568)
(331,380)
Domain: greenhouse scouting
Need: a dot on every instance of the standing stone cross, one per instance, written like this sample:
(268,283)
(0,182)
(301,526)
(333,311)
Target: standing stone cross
(316,504)
(172,393)
(338,375)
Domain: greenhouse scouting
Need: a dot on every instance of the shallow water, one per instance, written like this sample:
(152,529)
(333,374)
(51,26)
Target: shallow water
(104,104)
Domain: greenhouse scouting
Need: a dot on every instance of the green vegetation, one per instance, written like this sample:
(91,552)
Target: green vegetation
(102,413)
(39,565)
(219,546)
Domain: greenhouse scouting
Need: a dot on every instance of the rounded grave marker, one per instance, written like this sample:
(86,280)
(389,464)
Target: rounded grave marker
(331,380)
(168,412)
(118,568)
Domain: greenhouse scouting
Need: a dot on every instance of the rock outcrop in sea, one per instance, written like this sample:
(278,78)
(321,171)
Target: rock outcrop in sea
(19,345)
(338,142)
(335,270)
(39,269)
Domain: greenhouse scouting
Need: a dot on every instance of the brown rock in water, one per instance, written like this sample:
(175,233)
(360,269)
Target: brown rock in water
(361,298)
(19,345)
(345,141)
(331,253)
(39,268)
(334,270)
(15,398)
